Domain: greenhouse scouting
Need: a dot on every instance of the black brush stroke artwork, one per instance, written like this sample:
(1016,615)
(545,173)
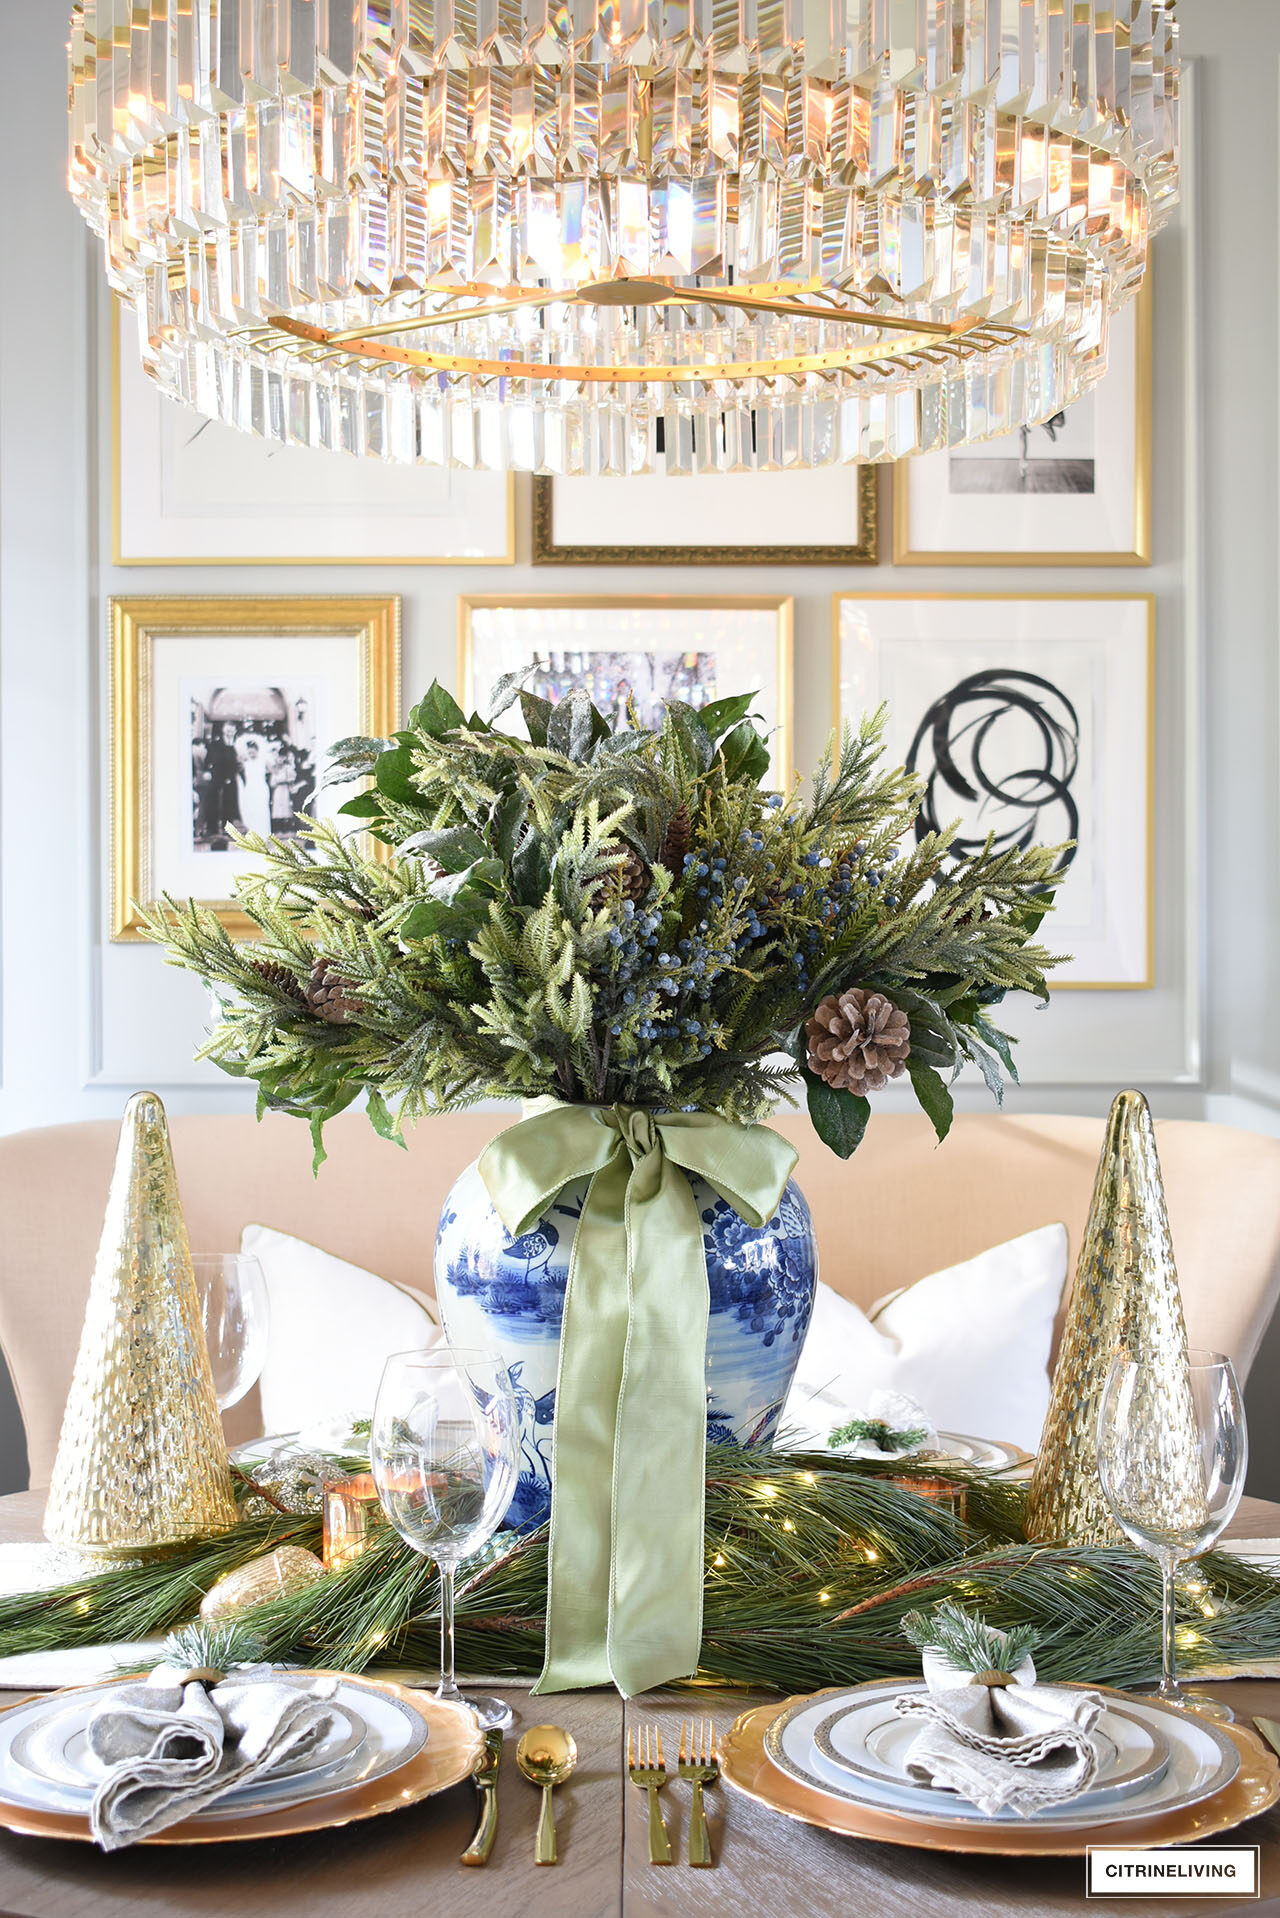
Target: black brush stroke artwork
(953,746)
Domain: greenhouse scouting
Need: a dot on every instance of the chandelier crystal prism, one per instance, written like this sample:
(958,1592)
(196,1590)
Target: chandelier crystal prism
(555,235)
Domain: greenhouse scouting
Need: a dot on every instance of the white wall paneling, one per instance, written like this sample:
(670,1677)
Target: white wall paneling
(84,1022)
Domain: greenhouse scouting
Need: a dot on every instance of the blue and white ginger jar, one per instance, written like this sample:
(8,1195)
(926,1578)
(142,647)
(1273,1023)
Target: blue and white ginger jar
(508,1295)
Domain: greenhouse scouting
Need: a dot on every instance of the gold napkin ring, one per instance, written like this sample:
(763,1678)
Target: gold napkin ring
(994,1681)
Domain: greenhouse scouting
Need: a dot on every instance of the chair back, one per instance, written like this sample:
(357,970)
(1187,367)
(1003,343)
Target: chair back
(900,1208)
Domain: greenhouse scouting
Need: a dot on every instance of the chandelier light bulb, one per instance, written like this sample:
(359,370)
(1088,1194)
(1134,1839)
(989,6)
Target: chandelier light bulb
(549,234)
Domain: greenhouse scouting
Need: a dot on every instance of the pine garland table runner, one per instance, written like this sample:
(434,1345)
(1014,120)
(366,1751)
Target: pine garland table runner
(812,1564)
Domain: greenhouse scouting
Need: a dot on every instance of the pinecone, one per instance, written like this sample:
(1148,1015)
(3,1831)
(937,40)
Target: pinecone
(633,874)
(331,997)
(676,841)
(280,978)
(858,1040)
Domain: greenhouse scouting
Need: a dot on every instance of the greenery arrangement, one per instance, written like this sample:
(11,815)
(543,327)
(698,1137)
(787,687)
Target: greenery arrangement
(877,1432)
(615,916)
(967,1642)
(814,1565)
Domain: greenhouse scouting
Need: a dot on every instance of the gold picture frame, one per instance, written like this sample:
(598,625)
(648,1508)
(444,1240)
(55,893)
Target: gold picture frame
(319,558)
(904,554)
(1148,753)
(864,551)
(370,623)
(780,605)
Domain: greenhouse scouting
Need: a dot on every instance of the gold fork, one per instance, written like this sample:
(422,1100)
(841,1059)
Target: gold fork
(699,1765)
(648,1768)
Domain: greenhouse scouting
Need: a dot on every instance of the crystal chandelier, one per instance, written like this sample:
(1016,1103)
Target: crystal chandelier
(553,234)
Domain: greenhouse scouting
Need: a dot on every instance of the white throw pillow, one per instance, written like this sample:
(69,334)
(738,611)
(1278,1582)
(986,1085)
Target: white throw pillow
(332,1327)
(971,1344)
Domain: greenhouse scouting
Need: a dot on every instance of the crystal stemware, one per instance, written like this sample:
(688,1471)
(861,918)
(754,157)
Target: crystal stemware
(233,1306)
(445,1453)
(1172,1466)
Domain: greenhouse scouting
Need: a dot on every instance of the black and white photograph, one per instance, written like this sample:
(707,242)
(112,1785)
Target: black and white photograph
(253,759)
(1028,722)
(633,655)
(1055,457)
(1074,490)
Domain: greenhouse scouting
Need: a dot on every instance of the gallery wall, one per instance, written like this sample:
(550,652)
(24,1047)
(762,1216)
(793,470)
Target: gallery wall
(84,1021)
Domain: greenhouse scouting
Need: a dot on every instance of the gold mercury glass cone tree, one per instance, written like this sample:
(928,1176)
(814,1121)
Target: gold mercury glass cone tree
(142,1461)
(1125,1298)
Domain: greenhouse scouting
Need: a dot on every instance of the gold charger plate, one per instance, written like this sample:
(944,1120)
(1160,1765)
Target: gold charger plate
(746,1766)
(454,1743)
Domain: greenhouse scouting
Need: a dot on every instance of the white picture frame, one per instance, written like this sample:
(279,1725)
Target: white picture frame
(1030,716)
(705,646)
(189,491)
(1074,492)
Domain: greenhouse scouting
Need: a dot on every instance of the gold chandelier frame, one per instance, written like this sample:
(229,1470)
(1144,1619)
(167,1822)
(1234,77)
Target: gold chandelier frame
(377,340)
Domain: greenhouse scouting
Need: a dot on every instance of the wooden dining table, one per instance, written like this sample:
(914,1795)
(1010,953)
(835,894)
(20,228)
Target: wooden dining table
(405,1864)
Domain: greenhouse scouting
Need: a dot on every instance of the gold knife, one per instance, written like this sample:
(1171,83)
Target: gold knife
(486,1777)
(1270,1731)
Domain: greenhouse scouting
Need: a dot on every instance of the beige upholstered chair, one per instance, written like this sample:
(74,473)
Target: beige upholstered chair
(902,1207)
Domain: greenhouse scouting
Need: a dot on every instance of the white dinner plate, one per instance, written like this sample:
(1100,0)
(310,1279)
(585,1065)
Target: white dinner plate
(990,1455)
(871,1741)
(394,1733)
(1201,1761)
(56,1751)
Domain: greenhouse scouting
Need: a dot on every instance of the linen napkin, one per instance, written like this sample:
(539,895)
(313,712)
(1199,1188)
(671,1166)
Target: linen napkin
(1019,1747)
(173,1745)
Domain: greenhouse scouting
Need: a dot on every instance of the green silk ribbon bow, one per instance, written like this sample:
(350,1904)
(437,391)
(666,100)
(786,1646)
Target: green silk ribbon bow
(625,1558)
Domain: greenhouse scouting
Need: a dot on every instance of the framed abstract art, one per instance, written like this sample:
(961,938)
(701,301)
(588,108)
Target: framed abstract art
(633,654)
(1028,718)
(1073,492)
(222,713)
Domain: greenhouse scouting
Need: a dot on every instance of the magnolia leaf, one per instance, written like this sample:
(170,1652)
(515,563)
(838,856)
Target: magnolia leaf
(989,1067)
(839,1117)
(1000,1042)
(364,806)
(931,1091)
(537,717)
(530,869)
(681,720)
(384,1123)
(454,847)
(431,917)
(437,713)
(508,690)
(721,714)
(393,770)
(353,758)
(745,755)
(575,726)
(510,816)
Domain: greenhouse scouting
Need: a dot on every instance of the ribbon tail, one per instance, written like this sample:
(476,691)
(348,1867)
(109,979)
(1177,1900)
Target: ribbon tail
(659,1471)
(592,1345)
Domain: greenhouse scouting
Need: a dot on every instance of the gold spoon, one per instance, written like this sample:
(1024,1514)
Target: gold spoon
(546,1755)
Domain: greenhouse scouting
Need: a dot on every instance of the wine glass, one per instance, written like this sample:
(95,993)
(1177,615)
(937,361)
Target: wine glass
(445,1453)
(233,1306)
(1172,1474)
